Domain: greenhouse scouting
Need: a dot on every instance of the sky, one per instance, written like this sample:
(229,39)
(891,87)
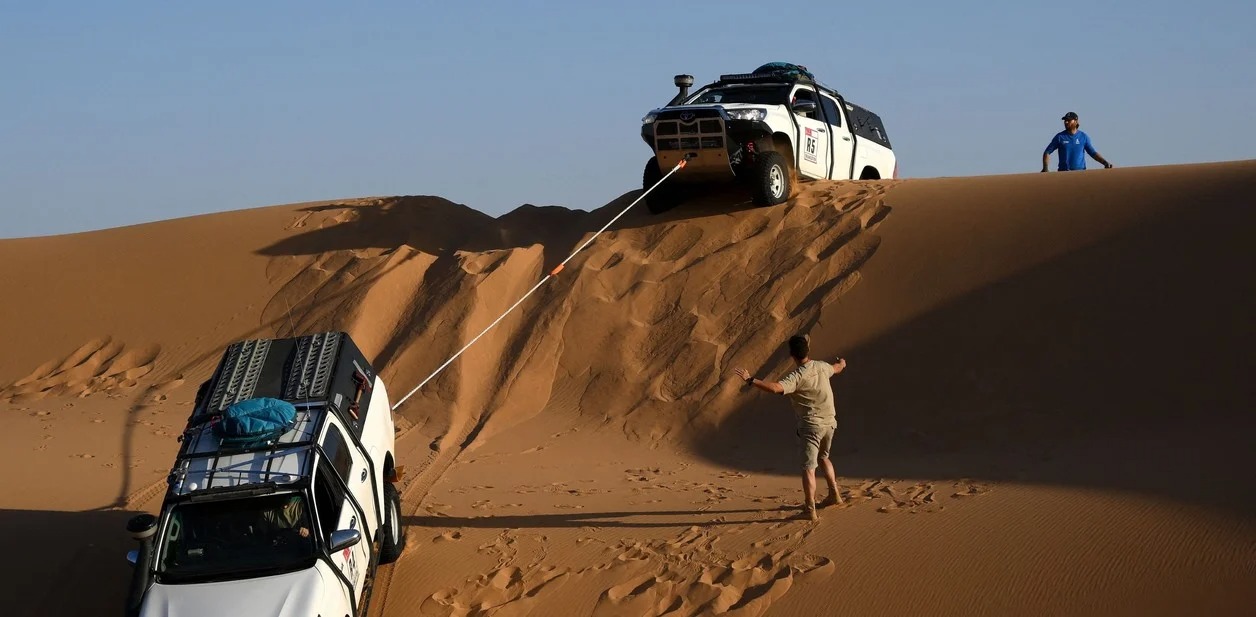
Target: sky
(118,113)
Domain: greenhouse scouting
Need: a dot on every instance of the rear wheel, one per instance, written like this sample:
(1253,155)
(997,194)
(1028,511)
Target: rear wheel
(770,182)
(394,540)
(662,198)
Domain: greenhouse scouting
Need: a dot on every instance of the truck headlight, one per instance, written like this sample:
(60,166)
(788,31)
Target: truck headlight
(649,118)
(746,114)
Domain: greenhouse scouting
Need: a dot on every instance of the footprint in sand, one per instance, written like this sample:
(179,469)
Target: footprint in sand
(435,508)
(300,221)
(969,489)
(448,536)
(874,217)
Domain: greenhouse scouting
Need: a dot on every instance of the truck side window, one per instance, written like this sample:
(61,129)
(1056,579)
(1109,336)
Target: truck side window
(338,452)
(328,500)
(831,115)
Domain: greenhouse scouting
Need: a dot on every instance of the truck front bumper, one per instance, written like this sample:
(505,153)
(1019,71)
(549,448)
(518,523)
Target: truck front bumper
(714,147)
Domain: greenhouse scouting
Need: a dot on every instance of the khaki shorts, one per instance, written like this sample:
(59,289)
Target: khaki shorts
(815,442)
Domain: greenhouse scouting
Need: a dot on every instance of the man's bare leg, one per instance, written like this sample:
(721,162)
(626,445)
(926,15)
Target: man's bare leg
(830,477)
(809,492)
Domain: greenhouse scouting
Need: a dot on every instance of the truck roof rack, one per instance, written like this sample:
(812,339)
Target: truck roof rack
(773,77)
(320,374)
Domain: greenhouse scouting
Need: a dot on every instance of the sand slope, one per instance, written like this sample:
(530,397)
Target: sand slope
(1047,409)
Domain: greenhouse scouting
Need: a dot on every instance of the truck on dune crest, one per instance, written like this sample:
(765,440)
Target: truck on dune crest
(766,129)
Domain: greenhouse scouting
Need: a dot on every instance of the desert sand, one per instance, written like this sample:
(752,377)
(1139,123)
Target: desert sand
(1047,410)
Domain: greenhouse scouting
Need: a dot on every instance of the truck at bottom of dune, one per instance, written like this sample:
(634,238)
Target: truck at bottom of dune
(282,497)
(765,130)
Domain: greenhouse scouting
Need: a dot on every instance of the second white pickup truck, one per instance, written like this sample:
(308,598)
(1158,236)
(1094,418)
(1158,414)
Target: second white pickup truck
(768,129)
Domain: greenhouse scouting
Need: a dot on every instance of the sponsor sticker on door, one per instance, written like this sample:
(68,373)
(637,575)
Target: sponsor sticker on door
(809,146)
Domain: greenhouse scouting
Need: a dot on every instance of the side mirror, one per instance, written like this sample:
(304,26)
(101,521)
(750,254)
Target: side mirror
(344,538)
(132,557)
(804,106)
(142,526)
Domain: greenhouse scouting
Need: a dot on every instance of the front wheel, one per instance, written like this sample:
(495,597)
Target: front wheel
(662,198)
(770,181)
(394,540)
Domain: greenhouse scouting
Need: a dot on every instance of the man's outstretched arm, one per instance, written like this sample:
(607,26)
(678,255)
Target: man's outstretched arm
(766,386)
(839,365)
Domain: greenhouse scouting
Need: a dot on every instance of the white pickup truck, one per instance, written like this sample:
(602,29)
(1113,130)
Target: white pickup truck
(766,129)
(292,523)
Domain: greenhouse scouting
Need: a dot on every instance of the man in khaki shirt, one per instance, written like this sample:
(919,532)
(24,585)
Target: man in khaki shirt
(811,396)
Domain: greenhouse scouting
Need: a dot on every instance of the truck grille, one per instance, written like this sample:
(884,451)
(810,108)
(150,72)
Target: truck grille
(696,134)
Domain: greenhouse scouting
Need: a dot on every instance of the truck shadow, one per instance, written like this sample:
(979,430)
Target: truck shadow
(65,563)
(626,519)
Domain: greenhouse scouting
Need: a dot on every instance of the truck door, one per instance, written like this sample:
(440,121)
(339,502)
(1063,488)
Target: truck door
(352,466)
(812,150)
(843,139)
(337,512)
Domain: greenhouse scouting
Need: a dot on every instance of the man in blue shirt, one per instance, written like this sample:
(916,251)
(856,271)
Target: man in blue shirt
(1073,145)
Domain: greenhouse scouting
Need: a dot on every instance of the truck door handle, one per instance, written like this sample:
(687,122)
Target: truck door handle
(363,474)
(845,138)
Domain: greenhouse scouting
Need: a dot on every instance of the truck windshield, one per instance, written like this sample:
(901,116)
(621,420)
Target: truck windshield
(236,538)
(758,95)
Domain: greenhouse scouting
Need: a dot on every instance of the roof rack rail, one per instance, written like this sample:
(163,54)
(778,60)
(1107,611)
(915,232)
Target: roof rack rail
(774,77)
(751,78)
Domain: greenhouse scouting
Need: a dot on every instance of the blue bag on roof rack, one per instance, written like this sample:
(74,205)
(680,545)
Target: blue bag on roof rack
(254,422)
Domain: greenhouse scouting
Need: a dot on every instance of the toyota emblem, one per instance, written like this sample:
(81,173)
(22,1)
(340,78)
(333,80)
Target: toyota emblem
(686,116)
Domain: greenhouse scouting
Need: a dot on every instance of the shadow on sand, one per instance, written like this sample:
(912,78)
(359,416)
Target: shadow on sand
(1122,366)
(65,563)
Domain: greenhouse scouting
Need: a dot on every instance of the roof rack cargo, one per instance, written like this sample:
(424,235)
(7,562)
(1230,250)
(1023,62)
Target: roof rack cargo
(317,373)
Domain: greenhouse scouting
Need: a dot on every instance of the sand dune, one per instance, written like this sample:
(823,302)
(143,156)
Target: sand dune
(1047,409)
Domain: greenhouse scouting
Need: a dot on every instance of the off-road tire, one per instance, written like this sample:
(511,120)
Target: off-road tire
(393,540)
(771,181)
(662,198)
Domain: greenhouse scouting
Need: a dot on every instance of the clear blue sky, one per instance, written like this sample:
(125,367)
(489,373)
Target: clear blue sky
(114,113)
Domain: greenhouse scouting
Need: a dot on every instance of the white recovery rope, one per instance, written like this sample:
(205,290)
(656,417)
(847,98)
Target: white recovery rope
(552,274)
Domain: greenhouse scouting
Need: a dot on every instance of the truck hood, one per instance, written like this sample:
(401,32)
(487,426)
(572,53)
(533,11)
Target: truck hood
(296,594)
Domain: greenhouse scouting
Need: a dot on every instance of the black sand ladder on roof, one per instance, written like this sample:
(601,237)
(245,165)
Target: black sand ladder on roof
(310,374)
(241,369)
